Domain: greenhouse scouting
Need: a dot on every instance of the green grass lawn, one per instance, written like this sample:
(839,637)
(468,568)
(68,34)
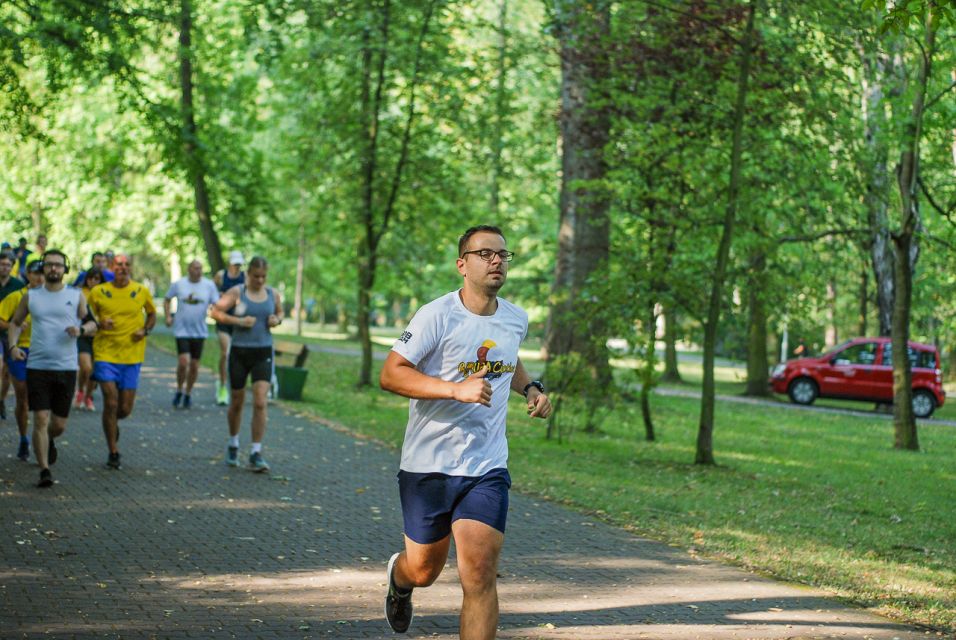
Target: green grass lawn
(812,498)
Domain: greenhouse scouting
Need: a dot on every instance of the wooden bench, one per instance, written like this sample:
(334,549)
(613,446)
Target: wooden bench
(290,354)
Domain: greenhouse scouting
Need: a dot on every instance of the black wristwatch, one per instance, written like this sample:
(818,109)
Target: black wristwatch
(537,384)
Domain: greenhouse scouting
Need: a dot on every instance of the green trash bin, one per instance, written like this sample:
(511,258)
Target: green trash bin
(291,381)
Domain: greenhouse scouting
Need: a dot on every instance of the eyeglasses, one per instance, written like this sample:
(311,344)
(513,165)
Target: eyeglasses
(58,265)
(120,264)
(488,255)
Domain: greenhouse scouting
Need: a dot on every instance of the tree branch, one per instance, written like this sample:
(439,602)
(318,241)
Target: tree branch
(940,95)
(407,134)
(825,234)
(947,213)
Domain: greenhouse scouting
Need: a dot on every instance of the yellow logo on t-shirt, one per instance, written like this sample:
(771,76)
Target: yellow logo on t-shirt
(496,368)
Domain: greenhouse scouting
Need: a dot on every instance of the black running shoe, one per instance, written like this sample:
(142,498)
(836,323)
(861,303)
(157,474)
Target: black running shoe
(187,402)
(46,479)
(23,451)
(51,453)
(398,606)
(114,461)
(177,398)
(3,410)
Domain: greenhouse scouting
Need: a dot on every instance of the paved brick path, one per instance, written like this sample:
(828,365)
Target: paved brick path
(176,545)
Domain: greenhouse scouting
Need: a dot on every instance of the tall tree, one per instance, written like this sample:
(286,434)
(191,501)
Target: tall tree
(904,240)
(584,227)
(377,205)
(192,150)
(705,432)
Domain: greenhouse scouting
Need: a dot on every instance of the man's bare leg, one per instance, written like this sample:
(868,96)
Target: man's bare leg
(43,430)
(182,365)
(110,411)
(478,547)
(191,375)
(420,564)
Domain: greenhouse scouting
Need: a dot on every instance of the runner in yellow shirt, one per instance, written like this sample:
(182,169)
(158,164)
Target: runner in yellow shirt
(18,368)
(125,315)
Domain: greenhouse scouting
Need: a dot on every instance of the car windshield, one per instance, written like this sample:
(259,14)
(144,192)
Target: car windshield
(837,349)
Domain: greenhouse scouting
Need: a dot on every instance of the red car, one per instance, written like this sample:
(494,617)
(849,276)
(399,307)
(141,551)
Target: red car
(862,369)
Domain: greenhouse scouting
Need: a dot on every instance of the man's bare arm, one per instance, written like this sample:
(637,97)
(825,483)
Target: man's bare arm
(400,376)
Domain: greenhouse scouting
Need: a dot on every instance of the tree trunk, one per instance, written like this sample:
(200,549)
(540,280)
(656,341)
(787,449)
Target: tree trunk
(671,369)
(864,292)
(705,433)
(758,364)
(370,114)
(830,335)
(299,280)
(878,70)
(574,323)
(647,372)
(375,213)
(195,166)
(904,423)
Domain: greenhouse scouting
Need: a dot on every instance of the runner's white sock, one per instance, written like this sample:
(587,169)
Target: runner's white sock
(234,441)
(256,447)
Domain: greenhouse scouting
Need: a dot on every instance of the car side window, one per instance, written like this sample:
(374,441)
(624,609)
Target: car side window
(864,353)
(918,359)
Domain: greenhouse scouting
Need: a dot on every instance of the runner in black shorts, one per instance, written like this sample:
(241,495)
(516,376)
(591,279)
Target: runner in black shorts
(56,312)
(194,294)
(252,309)
(225,280)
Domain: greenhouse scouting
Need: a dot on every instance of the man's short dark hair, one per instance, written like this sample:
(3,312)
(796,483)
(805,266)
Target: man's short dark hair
(8,255)
(466,236)
(96,254)
(55,252)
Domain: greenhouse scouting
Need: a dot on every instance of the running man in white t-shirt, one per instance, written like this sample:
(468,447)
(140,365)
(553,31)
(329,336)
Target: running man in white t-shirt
(194,295)
(458,361)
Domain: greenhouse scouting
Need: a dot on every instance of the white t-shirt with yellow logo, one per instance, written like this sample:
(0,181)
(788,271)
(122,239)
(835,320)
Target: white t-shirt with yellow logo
(445,340)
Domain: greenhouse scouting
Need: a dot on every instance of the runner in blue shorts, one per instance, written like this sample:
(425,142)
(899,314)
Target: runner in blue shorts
(125,314)
(17,367)
(457,361)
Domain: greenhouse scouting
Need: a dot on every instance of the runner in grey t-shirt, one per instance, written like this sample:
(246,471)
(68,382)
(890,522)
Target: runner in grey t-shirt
(194,295)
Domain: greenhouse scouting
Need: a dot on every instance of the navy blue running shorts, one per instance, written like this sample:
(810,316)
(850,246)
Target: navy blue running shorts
(431,502)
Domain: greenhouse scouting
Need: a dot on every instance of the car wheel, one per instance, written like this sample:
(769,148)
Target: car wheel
(803,391)
(923,403)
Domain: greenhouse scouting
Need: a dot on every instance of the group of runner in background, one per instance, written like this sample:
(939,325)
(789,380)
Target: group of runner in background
(61,341)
